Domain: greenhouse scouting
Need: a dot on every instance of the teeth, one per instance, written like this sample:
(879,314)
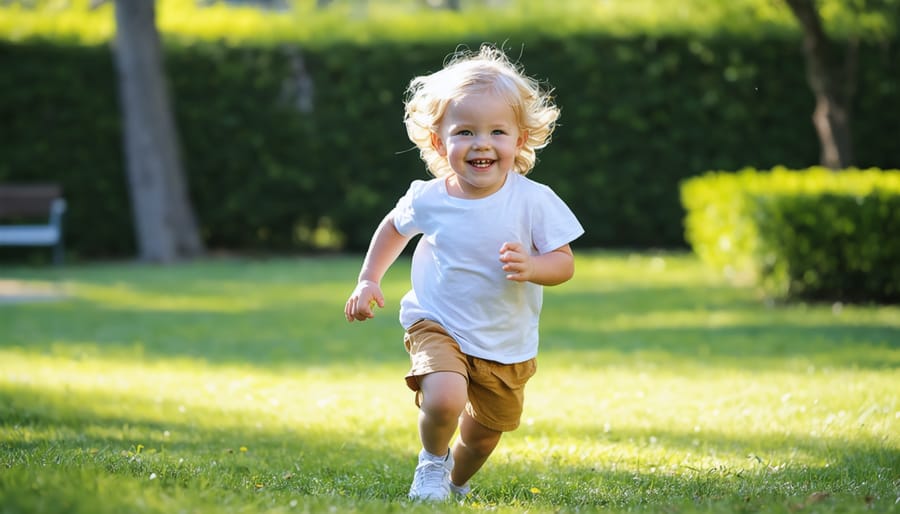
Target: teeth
(482,162)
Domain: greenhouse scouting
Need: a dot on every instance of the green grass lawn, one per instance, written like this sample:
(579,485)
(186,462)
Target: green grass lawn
(236,386)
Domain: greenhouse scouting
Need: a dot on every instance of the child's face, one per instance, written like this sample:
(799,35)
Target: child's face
(479,137)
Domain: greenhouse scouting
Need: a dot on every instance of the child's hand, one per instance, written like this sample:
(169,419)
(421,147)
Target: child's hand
(363,298)
(517,263)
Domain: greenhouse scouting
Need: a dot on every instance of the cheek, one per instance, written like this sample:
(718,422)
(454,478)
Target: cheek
(456,151)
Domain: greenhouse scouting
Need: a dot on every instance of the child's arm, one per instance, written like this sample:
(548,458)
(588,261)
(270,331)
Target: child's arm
(548,269)
(384,249)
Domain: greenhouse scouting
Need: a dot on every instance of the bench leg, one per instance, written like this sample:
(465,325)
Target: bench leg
(58,254)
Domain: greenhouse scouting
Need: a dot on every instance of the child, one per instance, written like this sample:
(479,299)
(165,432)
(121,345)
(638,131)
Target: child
(490,239)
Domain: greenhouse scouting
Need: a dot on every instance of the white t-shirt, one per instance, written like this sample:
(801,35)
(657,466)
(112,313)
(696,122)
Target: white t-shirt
(457,277)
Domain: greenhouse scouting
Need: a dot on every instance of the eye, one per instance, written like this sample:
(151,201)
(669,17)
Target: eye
(498,132)
(464,132)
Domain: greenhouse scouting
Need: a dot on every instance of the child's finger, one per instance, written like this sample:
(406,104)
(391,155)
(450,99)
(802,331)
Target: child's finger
(366,308)
(516,277)
(510,247)
(350,309)
(510,252)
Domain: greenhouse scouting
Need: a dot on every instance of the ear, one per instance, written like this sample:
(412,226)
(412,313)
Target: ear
(520,141)
(438,144)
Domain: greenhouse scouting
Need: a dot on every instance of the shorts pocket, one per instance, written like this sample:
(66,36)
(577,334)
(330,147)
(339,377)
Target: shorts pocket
(407,342)
(515,376)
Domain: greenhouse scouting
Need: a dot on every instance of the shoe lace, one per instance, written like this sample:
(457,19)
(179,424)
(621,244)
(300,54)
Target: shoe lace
(432,475)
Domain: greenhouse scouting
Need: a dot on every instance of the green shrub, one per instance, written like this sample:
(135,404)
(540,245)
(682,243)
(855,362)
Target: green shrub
(812,234)
(642,109)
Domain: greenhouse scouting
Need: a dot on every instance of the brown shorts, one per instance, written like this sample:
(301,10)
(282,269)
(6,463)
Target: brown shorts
(496,391)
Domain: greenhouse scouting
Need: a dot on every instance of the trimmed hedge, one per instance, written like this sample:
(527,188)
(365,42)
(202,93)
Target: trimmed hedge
(810,234)
(639,115)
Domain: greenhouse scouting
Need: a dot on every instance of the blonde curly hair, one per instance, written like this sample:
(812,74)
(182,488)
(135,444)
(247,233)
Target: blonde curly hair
(466,72)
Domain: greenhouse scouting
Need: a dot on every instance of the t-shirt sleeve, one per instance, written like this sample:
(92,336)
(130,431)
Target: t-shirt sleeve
(554,224)
(404,213)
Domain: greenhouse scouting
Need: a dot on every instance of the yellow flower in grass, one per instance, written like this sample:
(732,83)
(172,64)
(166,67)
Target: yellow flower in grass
(535,490)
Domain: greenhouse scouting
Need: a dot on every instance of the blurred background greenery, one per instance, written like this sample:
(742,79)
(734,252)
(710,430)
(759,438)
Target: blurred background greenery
(289,112)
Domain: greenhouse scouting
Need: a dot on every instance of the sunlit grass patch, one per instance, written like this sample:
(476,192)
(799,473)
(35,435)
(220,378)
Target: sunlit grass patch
(236,386)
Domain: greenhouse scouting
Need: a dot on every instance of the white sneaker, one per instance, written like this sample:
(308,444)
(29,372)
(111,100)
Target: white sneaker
(432,479)
(460,491)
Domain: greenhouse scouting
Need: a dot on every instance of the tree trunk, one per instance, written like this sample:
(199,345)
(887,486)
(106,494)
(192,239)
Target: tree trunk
(831,116)
(164,219)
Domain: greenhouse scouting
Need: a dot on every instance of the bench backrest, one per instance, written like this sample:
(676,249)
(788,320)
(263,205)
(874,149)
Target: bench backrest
(27,200)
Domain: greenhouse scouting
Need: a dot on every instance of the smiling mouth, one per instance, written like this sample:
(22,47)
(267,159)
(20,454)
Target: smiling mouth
(481,163)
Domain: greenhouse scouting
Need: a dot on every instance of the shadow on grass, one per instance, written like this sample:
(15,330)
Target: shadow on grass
(44,429)
(289,314)
(68,439)
(669,323)
(744,346)
(715,326)
(788,489)
(305,334)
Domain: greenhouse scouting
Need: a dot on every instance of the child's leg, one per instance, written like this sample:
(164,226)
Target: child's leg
(443,399)
(472,449)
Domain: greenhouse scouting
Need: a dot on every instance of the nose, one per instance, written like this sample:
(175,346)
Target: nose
(482,143)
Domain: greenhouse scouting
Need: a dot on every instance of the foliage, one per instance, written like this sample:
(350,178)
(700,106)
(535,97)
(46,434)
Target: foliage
(236,386)
(361,22)
(649,97)
(862,18)
(812,234)
(371,21)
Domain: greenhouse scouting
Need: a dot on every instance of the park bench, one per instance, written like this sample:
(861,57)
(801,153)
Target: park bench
(22,205)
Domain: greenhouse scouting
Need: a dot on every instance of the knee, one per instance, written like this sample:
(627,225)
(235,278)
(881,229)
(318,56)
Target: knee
(443,406)
(444,396)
